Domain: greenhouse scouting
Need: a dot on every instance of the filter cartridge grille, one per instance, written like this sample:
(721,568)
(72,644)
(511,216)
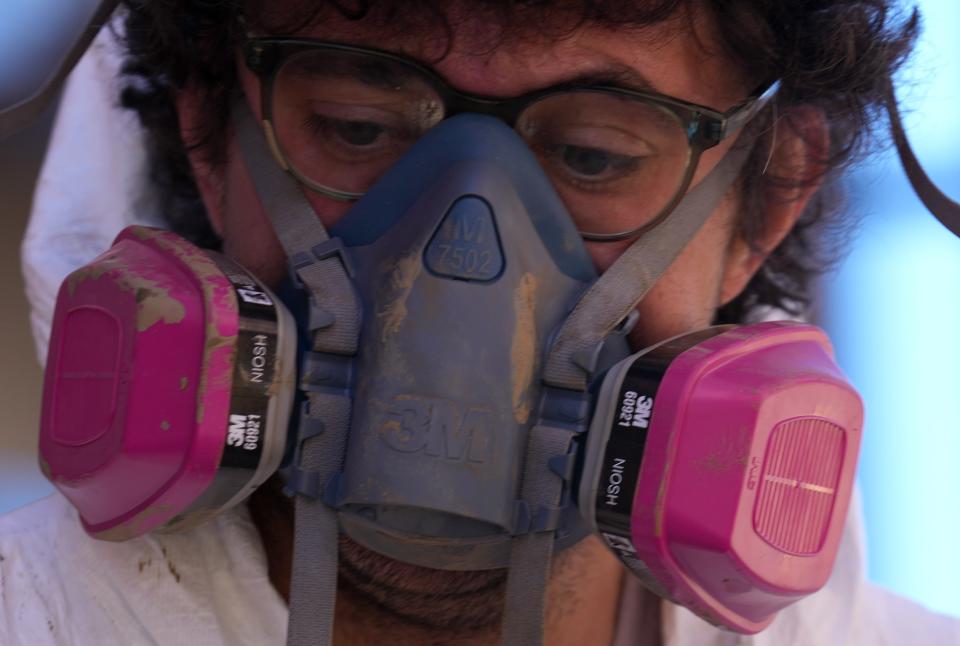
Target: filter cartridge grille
(798,484)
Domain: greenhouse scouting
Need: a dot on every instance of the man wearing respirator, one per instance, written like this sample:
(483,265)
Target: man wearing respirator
(444,336)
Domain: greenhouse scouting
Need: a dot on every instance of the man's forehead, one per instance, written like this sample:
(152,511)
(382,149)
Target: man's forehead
(475,52)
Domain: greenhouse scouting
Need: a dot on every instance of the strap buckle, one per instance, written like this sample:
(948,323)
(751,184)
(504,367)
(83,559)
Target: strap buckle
(330,248)
(302,481)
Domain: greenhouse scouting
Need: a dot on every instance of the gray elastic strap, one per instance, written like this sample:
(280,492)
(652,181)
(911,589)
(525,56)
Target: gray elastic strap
(313,584)
(618,291)
(531,553)
(941,206)
(301,234)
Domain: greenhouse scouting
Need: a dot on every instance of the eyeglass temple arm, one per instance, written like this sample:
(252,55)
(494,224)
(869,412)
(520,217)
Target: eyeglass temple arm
(41,42)
(941,206)
(739,117)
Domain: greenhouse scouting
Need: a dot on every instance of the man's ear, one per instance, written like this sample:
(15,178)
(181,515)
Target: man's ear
(798,161)
(209,177)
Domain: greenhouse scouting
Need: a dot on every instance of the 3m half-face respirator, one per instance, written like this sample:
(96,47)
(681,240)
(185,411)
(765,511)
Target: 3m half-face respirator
(462,393)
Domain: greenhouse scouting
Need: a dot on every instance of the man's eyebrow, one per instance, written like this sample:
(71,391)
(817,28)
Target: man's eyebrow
(390,74)
(374,72)
(617,75)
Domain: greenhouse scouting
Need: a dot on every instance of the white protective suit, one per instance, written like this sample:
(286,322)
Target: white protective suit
(209,586)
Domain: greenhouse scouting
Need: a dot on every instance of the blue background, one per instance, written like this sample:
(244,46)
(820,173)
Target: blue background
(893,311)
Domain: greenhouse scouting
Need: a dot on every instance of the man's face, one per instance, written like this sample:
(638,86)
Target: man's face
(671,57)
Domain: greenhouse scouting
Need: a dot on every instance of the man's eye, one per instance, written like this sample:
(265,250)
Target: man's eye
(354,133)
(592,162)
(595,164)
(359,133)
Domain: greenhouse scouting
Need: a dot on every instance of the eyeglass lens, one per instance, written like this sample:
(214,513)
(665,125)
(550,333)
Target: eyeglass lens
(343,118)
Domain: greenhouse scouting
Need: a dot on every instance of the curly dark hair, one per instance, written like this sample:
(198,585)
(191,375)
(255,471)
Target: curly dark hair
(836,55)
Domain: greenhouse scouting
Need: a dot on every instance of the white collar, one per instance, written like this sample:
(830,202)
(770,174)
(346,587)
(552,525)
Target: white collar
(93,183)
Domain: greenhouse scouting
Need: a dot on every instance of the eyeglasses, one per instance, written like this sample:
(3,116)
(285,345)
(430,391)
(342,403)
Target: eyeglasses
(338,116)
